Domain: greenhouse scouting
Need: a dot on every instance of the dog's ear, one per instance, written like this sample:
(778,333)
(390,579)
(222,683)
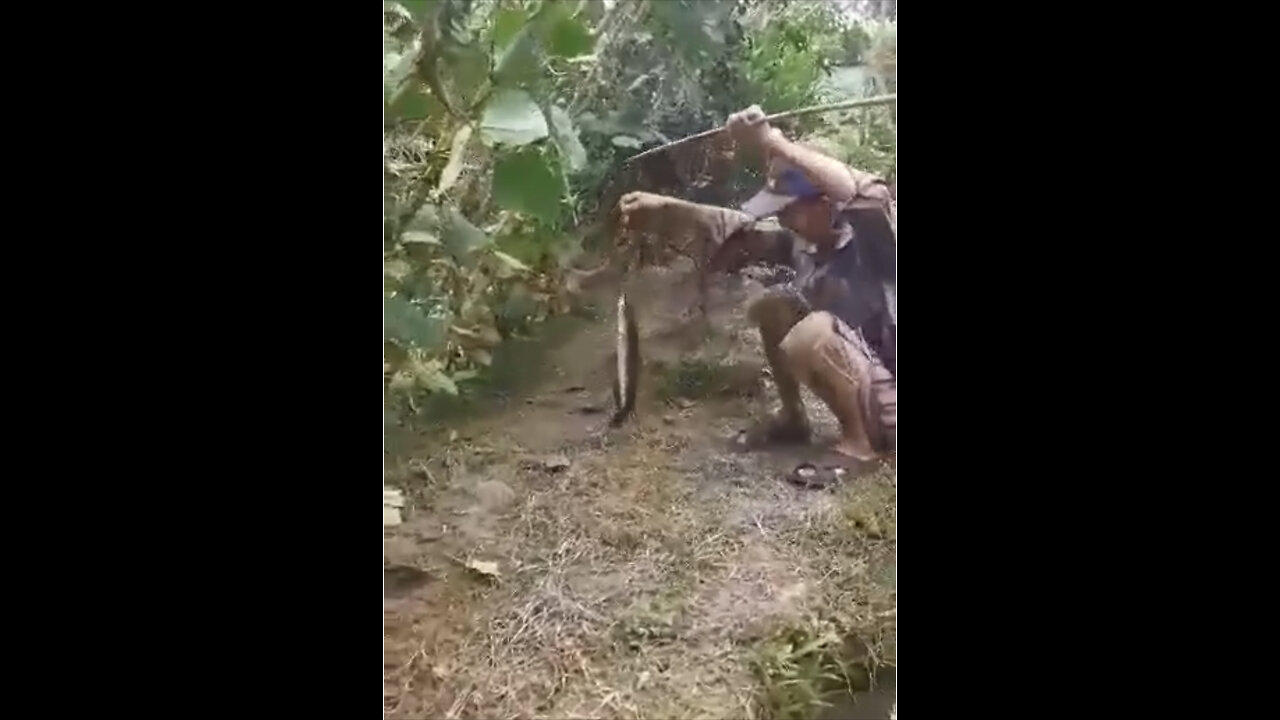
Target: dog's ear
(733,253)
(781,246)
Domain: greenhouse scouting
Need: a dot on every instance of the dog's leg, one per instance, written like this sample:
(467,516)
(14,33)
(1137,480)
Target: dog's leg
(702,266)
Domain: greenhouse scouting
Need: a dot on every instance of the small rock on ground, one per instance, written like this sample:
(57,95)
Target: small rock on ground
(555,463)
(495,494)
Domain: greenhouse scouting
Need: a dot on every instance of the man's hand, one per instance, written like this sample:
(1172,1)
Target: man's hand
(749,128)
(635,206)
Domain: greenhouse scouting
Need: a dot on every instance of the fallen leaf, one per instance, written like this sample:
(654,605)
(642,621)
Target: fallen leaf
(484,567)
(390,516)
(457,158)
(417,236)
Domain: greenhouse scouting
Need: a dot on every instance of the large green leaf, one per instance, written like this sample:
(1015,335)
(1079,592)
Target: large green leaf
(426,220)
(511,117)
(418,8)
(507,22)
(566,138)
(518,62)
(568,37)
(408,324)
(413,103)
(460,236)
(466,69)
(525,182)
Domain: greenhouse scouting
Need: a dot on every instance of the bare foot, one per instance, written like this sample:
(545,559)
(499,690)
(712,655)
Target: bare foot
(857,451)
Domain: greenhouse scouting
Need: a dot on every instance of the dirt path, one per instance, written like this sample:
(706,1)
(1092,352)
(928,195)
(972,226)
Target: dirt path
(648,573)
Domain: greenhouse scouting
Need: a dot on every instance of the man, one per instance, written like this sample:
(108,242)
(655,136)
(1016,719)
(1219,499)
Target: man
(833,329)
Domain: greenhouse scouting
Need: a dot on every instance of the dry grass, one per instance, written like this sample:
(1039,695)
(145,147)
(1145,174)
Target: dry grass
(657,576)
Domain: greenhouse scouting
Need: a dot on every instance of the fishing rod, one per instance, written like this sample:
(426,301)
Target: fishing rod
(844,105)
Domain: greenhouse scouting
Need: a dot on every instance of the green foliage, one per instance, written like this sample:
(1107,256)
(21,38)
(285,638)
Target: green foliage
(460,237)
(802,667)
(513,118)
(565,36)
(884,53)
(566,138)
(526,182)
(854,42)
(408,325)
(793,47)
(697,378)
(865,139)
(507,21)
(470,171)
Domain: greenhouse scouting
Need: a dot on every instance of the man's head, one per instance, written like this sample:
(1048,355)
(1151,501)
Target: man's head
(799,205)
(811,218)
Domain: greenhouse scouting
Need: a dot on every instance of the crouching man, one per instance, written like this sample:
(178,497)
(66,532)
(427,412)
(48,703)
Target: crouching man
(833,328)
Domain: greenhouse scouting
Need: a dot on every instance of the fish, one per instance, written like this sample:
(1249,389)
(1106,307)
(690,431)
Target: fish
(627,368)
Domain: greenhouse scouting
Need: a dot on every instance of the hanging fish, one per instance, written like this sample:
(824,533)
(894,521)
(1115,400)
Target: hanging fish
(628,363)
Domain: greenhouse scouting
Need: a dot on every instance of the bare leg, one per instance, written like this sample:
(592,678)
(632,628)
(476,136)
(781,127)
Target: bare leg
(840,376)
(776,314)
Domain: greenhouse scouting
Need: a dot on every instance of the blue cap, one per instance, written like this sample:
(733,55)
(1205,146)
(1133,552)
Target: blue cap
(785,185)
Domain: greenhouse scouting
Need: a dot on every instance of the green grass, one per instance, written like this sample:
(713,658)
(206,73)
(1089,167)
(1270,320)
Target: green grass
(698,379)
(801,668)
